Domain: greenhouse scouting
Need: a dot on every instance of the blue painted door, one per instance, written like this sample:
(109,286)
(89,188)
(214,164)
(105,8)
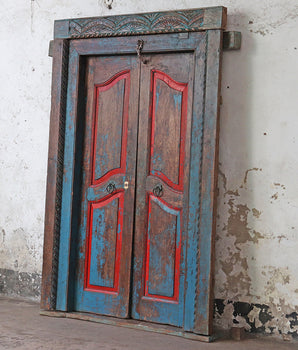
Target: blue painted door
(162,188)
(103,261)
(132,243)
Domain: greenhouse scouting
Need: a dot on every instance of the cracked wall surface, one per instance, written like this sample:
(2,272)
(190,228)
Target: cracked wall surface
(256,281)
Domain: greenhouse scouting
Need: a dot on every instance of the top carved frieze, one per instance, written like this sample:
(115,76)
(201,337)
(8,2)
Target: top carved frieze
(146,23)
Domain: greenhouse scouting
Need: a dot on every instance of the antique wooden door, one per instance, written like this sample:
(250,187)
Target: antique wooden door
(165,114)
(126,98)
(134,192)
(103,259)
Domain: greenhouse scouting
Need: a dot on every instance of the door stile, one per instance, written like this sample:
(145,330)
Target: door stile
(55,173)
(68,178)
(204,290)
(195,182)
(99,287)
(162,306)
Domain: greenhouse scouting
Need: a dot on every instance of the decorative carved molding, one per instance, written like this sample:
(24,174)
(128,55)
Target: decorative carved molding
(146,23)
(60,162)
(201,137)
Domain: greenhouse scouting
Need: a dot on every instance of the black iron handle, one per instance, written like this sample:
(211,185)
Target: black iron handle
(111,188)
(158,190)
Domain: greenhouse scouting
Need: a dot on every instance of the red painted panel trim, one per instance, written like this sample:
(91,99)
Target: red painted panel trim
(183,87)
(147,295)
(100,88)
(95,205)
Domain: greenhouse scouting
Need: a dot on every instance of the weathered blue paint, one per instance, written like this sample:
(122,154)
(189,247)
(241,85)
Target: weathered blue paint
(177,100)
(104,233)
(207,223)
(196,244)
(195,188)
(157,95)
(163,310)
(162,263)
(68,177)
(108,145)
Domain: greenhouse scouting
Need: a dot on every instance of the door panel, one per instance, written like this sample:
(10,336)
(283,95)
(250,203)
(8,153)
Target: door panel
(109,151)
(104,238)
(163,251)
(169,98)
(162,190)
(102,279)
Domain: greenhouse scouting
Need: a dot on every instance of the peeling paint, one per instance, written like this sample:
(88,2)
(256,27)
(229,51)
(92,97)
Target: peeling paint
(238,245)
(238,225)
(257,318)
(246,175)
(257,213)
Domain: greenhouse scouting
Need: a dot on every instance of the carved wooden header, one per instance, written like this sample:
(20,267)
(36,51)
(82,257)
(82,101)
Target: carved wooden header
(146,23)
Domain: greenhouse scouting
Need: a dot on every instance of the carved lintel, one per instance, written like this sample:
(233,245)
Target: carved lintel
(145,23)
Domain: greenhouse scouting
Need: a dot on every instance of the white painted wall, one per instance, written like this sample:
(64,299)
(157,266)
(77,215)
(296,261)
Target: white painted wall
(256,247)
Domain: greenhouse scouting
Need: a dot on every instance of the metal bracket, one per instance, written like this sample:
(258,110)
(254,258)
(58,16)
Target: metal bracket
(231,41)
(51,45)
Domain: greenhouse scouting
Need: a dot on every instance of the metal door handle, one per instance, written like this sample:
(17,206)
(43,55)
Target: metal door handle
(111,188)
(158,190)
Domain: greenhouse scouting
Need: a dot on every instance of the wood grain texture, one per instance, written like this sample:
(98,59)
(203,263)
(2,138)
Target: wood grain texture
(169,98)
(64,266)
(104,240)
(207,226)
(163,251)
(104,237)
(132,324)
(188,20)
(172,127)
(54,177)
(162,307)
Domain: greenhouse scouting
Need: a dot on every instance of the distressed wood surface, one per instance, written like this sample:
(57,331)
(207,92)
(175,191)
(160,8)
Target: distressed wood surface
(163,156)
(207,223)
(54,177)
(172,98)
(102,278)
(188,20)
(133,324)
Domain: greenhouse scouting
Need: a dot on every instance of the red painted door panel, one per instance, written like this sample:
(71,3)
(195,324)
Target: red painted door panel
(162,188)
(102,282)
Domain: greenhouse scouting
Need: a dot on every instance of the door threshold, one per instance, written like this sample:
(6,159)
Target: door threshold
(130,323)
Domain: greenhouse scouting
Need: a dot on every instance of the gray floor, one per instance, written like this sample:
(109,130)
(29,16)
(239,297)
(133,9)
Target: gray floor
(21,327)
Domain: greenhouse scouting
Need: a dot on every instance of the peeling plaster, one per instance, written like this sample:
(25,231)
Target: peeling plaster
(238,285)
(257,318)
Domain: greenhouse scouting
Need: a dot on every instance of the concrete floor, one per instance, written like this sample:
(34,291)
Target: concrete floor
(21,327)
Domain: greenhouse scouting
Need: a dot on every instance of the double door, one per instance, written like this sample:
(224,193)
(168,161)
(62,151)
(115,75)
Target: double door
(129,239)
(135,187)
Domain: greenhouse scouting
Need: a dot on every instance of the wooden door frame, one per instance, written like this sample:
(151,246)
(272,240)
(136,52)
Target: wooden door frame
(203,171)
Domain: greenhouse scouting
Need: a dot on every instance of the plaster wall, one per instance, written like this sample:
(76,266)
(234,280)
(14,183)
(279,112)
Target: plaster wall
(256,281)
